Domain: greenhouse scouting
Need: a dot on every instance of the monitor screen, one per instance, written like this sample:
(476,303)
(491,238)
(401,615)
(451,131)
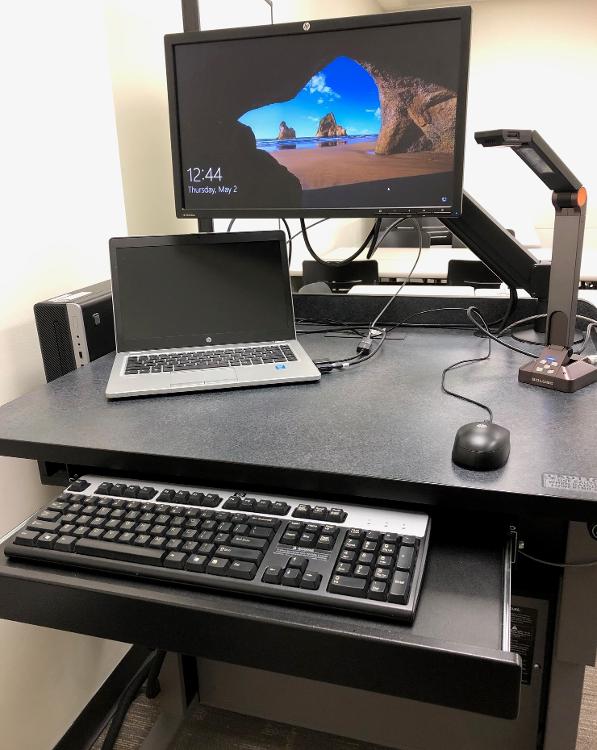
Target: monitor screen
(200,290)
(361,116)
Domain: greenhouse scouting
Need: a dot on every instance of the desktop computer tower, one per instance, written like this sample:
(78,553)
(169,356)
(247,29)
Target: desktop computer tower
(75,328)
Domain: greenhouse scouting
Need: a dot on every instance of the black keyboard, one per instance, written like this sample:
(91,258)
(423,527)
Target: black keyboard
(206,358)
(354,557)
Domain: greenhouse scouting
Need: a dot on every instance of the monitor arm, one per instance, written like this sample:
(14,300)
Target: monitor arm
(499,250)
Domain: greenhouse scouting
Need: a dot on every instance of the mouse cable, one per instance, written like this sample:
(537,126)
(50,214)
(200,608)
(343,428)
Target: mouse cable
(589,564)
(464,362)
(371,238)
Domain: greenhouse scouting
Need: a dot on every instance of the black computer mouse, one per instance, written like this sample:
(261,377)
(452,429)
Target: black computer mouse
(481,446)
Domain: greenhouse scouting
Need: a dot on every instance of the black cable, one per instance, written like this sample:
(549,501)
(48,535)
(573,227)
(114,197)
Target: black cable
(406,280)
(374,240)
(334,329)
(230,224)
(288,241)
(344,364)
(152,688)
(522,340)
(433,325)
(124,703)
(512,303)
(588,564)
(315,223)
(531,318)
(462,363)
(487,332)
(150,673)
(376,244)
(346,261)
(364,348)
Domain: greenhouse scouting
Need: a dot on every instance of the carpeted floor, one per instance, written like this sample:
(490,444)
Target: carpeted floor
(587,731)
(223,730)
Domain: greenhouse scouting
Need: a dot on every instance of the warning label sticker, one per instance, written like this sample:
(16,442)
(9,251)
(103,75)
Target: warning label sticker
(522,642)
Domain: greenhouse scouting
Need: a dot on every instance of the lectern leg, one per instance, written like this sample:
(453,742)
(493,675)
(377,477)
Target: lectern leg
(575,642)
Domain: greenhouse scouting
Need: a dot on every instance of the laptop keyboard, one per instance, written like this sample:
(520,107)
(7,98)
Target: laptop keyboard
(206,359)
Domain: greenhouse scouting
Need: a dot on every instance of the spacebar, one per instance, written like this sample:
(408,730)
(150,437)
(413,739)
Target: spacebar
(114,551)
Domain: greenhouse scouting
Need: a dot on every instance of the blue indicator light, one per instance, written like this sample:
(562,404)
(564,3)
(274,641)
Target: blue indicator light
(280,367)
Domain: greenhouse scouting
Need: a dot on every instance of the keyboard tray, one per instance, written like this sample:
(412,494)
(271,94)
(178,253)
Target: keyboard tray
(458,641)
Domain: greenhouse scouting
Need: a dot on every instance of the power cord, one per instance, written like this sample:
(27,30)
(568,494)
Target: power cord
(288,241)
(370,239)
(377,244)
(150,673)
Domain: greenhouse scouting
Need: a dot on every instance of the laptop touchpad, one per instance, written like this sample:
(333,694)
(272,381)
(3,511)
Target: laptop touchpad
(220,375)
(190,377)
(200,377)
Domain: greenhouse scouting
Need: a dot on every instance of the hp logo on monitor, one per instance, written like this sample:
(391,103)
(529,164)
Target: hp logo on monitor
(306,26)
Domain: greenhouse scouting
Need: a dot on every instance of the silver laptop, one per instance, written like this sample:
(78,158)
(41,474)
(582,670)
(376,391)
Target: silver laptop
(196,312)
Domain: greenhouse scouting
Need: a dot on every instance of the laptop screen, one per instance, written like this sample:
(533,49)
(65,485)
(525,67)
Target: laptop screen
(200,290)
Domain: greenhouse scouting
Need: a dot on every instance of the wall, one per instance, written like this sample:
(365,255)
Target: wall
(61,200)
(533,65)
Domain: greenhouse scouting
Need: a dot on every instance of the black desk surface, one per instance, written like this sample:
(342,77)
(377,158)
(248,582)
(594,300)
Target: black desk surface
(383,430)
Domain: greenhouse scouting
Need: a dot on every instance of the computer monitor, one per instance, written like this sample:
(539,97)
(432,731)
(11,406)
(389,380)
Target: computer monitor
(357,116)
